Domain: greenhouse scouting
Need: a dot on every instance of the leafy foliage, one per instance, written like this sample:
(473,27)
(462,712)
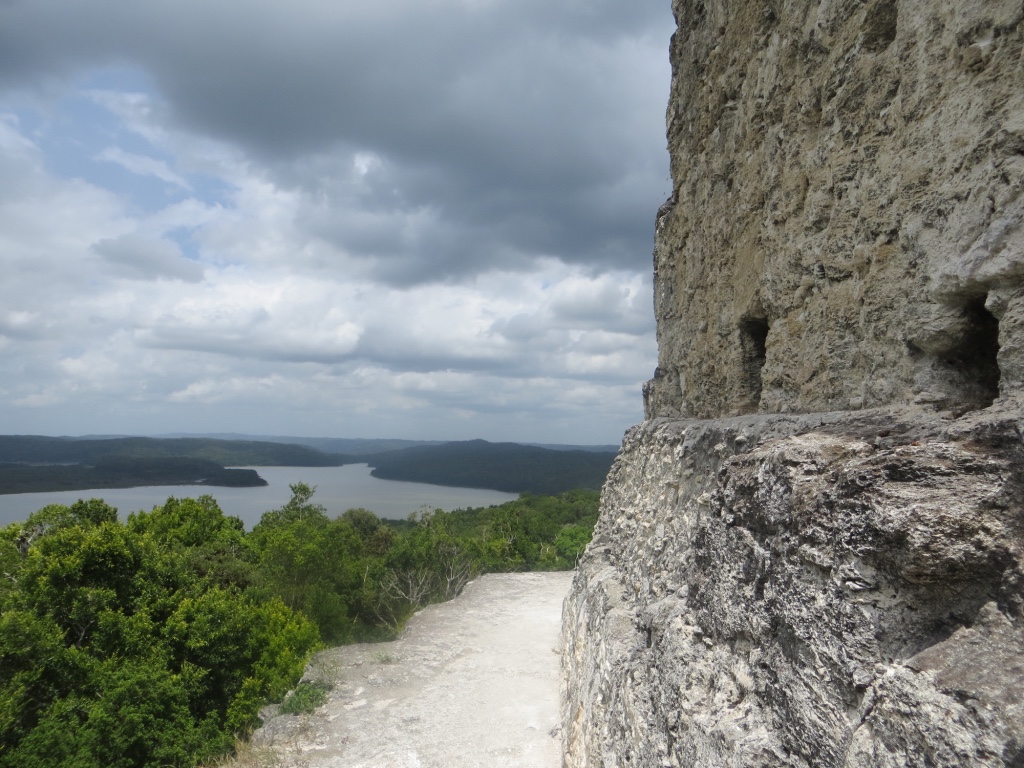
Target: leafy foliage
(133,644)
(307,697)
(153,642)
(360,578)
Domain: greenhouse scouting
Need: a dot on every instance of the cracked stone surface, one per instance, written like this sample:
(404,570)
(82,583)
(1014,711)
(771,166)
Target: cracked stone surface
(471,682)
(815,591)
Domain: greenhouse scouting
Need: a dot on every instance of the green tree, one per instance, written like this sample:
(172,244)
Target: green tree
(116,649)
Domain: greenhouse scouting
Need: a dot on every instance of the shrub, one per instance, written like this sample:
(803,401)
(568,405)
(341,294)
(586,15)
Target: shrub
(307,697)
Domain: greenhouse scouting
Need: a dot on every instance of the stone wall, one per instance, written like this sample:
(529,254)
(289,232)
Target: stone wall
(808,591)
(847,226)
(812,552)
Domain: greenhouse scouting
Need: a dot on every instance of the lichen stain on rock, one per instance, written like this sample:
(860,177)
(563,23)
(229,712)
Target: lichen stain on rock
(812,552)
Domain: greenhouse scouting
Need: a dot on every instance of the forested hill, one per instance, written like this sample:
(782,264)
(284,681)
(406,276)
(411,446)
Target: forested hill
(123,473)
(35,449)
(510,467)
(361,446)
(32,463)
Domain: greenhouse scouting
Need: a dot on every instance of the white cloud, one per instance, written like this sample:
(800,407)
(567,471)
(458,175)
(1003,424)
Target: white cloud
(143,166)
(211,391)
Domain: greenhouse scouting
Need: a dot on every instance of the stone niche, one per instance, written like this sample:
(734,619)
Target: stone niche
(846,229)
(811,553)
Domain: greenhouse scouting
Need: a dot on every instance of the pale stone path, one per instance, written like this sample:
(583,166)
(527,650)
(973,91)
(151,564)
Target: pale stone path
(472,682)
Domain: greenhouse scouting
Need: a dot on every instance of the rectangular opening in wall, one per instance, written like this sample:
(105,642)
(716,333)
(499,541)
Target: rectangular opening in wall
(975,358)
(753,349)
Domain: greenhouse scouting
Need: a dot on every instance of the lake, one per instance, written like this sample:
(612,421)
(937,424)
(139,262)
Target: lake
(337,488)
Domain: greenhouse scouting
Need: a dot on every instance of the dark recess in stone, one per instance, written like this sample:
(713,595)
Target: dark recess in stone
(975,358)
(753,346)
(880,26)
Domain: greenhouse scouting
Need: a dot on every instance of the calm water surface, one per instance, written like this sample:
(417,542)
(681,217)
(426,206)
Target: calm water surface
(337,488)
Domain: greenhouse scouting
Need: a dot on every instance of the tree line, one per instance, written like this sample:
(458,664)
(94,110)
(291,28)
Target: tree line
(30,463)
(114,472)
(154,641)
(39,449)
(511,467)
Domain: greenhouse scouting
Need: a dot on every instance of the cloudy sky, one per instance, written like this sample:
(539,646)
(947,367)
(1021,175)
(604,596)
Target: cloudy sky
(360,218)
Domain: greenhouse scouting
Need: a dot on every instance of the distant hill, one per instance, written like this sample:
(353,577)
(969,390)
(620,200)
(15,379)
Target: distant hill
(30,463)
(510,467)
(36,449)
(123,473)
(607,448)
(343,445)
(34,463)
(362,446)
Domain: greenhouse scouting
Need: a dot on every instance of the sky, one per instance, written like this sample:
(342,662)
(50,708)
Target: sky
(422,219)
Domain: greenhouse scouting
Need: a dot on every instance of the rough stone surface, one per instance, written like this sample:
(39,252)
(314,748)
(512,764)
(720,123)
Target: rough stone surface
(846,229)
(472,682)
(836,578)
(818,590)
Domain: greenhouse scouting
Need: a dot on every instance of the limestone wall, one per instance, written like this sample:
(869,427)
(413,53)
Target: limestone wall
(811,554)
(803,591)
(847,226)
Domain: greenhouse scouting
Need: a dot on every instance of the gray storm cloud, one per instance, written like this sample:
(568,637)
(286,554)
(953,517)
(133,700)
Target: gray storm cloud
(352,209)
(493,119)
(144,258)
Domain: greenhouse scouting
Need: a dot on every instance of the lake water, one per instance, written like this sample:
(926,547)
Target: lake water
(337,488)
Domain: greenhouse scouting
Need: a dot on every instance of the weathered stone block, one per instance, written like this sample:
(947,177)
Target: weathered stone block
(832,590)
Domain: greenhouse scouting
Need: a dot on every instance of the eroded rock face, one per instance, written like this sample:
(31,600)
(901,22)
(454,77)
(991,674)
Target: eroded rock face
(828,590)
(846,239)
(847,225)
